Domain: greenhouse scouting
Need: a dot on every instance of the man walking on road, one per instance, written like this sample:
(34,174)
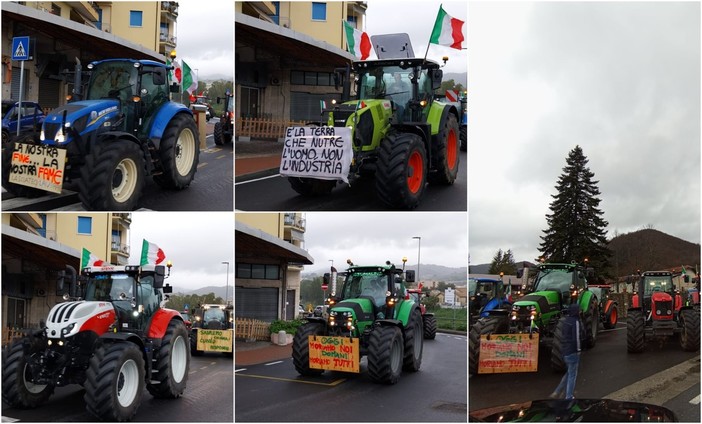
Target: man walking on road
(571,353)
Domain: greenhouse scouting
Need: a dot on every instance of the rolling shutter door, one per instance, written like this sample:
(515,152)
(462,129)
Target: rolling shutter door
(49,93)
(15,88)
(260,303)
(305,106)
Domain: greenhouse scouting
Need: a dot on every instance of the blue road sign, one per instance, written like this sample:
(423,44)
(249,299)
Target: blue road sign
(20,48)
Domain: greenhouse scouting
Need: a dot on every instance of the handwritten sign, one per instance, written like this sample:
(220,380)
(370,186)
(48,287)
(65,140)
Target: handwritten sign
(317,152)
(214,340)
(508,353)
(38,166)
(334,353)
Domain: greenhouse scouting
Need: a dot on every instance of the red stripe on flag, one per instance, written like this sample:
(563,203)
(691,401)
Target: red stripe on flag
(365,46)
(457,33)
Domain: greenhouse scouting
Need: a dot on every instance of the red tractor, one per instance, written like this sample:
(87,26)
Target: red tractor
(657,312)
(609,308)
(428,318)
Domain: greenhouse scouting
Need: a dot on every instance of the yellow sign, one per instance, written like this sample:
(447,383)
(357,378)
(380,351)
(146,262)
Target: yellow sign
(334,353)
(508,353)
(38,166)
(214,340)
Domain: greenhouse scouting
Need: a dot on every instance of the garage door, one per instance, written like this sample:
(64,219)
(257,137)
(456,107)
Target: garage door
(260,303)
(49,93)
(306,106)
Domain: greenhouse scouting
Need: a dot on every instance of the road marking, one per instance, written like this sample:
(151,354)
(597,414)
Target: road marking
(221,156)
(258,179)
(240,369)
(265,377)
(695,400)
(612,329)
(273,363)
(663,386)
(200,165)
(9,420)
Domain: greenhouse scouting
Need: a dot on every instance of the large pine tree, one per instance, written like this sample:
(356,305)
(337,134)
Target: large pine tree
(503,262)
(576,229)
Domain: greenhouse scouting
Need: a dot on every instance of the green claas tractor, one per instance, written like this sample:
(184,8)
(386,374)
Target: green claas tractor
(399,132)
(373,311)
(542,311)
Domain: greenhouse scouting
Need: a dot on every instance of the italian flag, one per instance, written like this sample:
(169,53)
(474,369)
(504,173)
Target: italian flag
(176,73)
(358,41)
(89,259)
(151,254)
(189,79)
(447,31)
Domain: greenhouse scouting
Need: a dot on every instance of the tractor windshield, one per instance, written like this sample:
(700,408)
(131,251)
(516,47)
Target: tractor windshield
(557,279)
(472,286)
(366,284)
(657,283)
(112,79)
(110,287)
(213,314)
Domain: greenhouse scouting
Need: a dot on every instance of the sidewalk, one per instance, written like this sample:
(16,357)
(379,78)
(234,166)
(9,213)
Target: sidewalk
(256,159)
(251,353)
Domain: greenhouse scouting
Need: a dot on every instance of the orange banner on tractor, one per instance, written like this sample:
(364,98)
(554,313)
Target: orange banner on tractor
(504,353)
(334,353)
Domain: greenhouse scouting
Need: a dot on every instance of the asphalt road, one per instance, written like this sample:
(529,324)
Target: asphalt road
(606,371)
(275,392)
(208,397)
(274,193)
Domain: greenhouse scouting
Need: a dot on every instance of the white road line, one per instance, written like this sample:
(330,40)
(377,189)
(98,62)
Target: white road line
(273,363)
(257,179)
(695,400)
(240,369)
(9,420)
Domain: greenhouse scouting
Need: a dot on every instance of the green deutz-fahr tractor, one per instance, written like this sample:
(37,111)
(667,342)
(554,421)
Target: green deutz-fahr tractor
(400,133)
(372,307)
(556,287)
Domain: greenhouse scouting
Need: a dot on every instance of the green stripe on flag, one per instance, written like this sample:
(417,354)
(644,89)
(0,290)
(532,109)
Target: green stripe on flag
(144,253)
(436,32)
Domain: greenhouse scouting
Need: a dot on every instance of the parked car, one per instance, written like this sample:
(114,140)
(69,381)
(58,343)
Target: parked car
(318,310)
(32,118)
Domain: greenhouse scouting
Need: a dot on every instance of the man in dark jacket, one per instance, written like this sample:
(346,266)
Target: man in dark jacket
(571,352)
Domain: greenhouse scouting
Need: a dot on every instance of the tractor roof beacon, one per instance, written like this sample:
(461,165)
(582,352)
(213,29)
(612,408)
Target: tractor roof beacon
(400,133)
(120,130)
(112,337)
(373,307)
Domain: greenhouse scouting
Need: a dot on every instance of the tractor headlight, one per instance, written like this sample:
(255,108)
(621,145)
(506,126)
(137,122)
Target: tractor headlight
(60,137)
(41,134)
(67,329)
(669,312)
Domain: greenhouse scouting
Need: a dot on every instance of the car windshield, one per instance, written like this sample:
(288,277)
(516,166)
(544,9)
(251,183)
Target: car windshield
(213,314)
(112,79)
(110,287)
(558,279)
(656,284)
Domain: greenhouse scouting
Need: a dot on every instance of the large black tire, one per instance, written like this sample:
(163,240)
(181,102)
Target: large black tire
(413,334)
(218,134)
(115,382)
(690,332)
(445,153)
(172,363)
(16,189)
(301,348)
(5,138)
(635,337)
(385,353)
(112,178)
(429,327)
(311,186)
(18,391)
(557,361)
(611,318)
(179,152)
(592,324)
(464,138)
(401,171)
(487,325)
(193,343)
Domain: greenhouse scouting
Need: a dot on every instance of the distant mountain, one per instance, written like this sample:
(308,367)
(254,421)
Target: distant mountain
(217,290)
(650,250)
(457,77)
(428,272)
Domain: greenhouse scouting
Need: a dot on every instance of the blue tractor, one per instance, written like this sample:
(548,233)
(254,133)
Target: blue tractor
(486,294)
(123,128)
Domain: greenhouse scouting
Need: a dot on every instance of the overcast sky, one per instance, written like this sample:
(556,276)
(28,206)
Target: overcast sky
(371,238)
(416,18)
(196,243)
(205,31)
(622,80)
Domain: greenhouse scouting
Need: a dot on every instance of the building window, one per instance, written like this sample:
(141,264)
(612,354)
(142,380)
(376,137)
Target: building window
(42,230)
(98,24)
(243,270)
(276,17)
(85,225)
(311,78)
(135,18)
(258,271)
(319,11)
(353,20)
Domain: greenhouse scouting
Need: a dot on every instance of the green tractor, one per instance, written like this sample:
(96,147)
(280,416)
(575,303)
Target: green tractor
(372,310)
(542,311)
(399,132)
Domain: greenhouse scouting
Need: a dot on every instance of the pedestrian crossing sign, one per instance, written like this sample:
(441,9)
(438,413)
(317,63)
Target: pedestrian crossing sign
(20,48)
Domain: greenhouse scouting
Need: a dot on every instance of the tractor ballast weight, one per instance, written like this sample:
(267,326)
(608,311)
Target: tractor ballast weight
(112,337)
(121,130)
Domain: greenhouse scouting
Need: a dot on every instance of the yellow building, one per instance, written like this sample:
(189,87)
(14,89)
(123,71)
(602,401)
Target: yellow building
(149,23)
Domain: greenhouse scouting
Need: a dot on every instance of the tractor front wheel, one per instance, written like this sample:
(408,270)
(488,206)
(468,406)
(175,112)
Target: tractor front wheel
(429,327)
(557,361)
(115,382)
(414,342)
(173,363)
(445,153)
(592,323)
(218,134)
(385,353)
(482,326)
(311,186)
(112,178)
(464,138)
(635,338)
(301,348)
(690,332)
(179,152)
(401,171)
(18,389)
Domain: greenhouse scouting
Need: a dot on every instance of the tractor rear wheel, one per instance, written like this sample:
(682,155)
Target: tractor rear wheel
(311,186)
(301,348)
(414,342)
(218,134)
(18,390)
(115,382)
(487,325)
(690,332)
(464,138)
(401,170)
(557,361)
(16,189)
(592,323)
(179,152)
(445,153)
(112,178)
(385,353)
(172,363)
(429,327)
(193,343)
(611,318)
(635,337)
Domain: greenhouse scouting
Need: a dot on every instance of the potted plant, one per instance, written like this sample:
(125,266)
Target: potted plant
(290,328)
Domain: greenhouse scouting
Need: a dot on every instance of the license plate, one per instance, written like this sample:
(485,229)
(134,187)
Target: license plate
(38,166)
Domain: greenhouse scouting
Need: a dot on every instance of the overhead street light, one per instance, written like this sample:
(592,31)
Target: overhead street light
(226,292)
(419,253)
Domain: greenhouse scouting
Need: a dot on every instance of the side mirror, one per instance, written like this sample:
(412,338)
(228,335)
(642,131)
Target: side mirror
(409,276)
(436,78)
(167,289)
(219,99)
(159,276)
(175,88)
(159,76)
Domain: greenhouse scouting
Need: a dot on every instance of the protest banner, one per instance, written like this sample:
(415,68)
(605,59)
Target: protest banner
(214,340)
(317,152)
(38,166)
(334,353)
(502,353)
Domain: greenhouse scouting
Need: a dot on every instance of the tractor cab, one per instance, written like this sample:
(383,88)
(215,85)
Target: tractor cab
(657,288)
(567,280)
(212,317)
(485,294)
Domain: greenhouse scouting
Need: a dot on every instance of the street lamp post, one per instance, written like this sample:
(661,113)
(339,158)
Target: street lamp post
(226,292)
(419,253)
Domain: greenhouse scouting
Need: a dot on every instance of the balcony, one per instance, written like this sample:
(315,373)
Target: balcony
(126,217)
(120,249)
(167,39)
(88,9)
(295,221)
(169,9)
